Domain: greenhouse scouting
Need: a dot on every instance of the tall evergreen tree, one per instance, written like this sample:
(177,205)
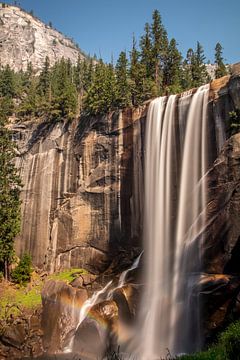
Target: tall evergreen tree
(9,191)
(122,86)
(137,74)
(101,95)
(64,97)
(146,51)
(173,68)
(30,103)
(186,78)
(221,68)
(198,67)
(7,82)
(45,79)
(159,41)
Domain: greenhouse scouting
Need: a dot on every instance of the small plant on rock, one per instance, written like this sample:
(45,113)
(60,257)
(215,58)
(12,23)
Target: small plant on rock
(234,121)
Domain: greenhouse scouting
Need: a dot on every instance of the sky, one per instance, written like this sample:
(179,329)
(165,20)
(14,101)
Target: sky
(106,27)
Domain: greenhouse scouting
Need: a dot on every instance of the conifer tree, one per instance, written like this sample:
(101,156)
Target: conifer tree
(221,68)
(44,79)
(7,82)
(198,67)
(173,68)
(146,51)
(30,104)
(9,191)
(122,87)
(137,74)
(64,97)
(101,96)
(159,47)
(186,78)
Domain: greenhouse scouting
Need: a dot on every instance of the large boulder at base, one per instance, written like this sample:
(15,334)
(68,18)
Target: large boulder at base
(61,309)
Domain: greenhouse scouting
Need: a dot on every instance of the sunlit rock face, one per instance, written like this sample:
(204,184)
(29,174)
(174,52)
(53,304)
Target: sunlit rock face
(82,194)
(61,307)
(105,326)
(26,39)
(82,200)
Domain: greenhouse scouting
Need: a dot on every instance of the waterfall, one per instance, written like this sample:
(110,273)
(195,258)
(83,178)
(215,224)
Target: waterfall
(103,294)
(175,197)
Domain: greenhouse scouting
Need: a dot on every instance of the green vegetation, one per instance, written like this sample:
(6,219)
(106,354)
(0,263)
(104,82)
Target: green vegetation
(68,275)
(24,296)
(154,67)
(22,273)
(234,122)
(14,299)
(227,347)
(9,179)
(221,68)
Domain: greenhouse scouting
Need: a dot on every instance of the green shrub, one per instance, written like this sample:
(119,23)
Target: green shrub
(229,341)
(234,121)
(227,347)
(22,273)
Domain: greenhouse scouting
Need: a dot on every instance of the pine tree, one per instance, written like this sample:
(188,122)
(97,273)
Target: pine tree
(198,68)
(64,92)
(221,68)
(137,74)
(122,86)
(173,68)
(186,78)
(9,191)
(31,102)
(146,51)
(7,87)
(44,79)
(44,90)
(159,48)
(101,95)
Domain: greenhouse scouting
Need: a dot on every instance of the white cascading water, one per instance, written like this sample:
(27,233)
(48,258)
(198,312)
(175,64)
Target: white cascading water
(175,197)
(104,294)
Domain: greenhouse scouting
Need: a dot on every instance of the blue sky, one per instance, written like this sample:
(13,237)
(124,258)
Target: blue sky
(105,27)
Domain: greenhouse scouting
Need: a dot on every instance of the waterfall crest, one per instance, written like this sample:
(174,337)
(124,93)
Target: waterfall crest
(175,197)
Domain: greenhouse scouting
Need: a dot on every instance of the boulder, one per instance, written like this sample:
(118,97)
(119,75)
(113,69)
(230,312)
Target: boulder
(61,309)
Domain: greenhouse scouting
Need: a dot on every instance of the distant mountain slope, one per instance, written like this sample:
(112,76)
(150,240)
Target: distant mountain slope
(24,39)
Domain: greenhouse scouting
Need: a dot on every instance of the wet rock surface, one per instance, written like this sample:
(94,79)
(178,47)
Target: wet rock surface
(61,309)
(223,228)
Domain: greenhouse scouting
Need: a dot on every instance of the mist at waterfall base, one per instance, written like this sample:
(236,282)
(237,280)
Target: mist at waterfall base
(177,158)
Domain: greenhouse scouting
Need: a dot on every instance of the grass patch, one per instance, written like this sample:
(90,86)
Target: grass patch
(68,275)
(227,347)
(17,298)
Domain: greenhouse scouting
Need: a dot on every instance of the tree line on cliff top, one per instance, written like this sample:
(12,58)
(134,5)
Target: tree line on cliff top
(154,67)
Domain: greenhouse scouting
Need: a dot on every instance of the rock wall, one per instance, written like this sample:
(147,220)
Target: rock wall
(83,181)
(24,39)
(82,200)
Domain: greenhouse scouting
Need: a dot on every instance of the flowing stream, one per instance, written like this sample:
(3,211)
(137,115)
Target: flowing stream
(175,197)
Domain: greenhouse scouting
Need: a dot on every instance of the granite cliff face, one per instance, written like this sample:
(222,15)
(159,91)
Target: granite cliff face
(25,39)
(82,201)
(83,184)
